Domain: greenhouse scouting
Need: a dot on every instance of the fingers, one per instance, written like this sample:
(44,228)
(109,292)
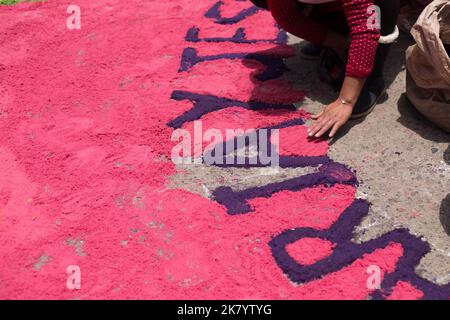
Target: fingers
(315,128)
(324,128)
(318,128)
(316,116)
(331,119)
(335,129)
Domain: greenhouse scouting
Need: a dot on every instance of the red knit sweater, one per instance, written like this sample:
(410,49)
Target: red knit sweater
(364,40)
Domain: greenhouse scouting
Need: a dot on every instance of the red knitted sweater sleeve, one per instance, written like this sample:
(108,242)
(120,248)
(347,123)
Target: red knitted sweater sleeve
(364,39)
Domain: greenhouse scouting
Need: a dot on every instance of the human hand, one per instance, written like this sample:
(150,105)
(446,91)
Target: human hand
(331,118)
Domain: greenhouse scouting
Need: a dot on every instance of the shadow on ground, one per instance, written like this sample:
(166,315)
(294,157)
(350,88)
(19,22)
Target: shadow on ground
(444,212)
(413,120)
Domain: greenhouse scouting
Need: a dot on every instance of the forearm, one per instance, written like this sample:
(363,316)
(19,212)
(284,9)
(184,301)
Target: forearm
(351,89)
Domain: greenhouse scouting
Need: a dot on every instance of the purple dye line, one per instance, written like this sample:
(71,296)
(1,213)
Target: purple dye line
(275,66)
(204,104)
(329,174)
(346,252)
(239,37)
(284,161)
(215,14)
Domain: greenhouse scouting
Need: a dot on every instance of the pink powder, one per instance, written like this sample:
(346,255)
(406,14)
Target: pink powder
(294,142)
(405,291)
(316,208)
(307,251)
(236,118)
(85,149)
